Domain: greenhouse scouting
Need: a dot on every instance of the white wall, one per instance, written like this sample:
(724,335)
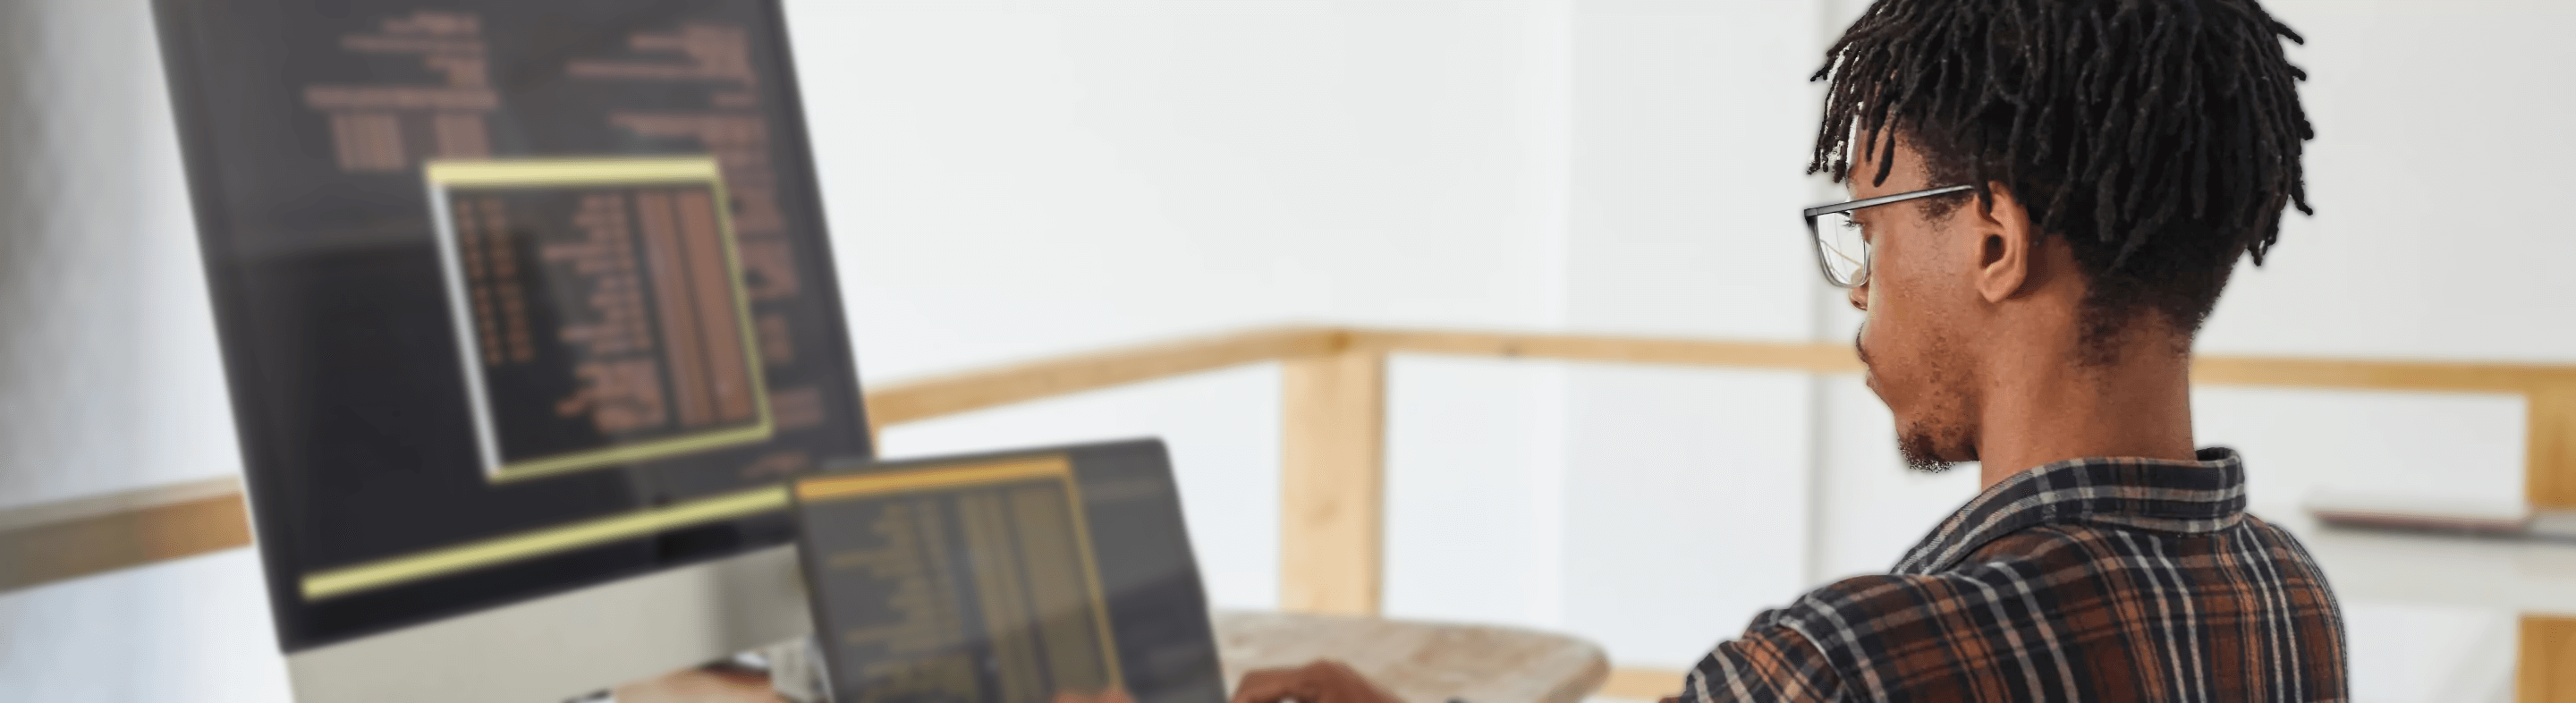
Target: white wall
(109,376)
(1008,178)
(1014,178)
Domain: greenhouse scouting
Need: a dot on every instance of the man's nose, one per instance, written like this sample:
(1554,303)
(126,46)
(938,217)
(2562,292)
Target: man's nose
(1859,296)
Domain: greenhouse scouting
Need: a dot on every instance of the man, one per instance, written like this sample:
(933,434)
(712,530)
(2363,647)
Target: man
(2048,197)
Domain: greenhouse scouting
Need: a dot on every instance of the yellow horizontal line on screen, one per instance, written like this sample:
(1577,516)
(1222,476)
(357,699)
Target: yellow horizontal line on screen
(536,543)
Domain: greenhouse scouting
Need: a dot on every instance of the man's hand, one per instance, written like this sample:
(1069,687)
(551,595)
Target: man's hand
(1324,681)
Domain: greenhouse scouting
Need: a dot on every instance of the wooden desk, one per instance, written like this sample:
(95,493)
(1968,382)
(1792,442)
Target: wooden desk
(1418,661)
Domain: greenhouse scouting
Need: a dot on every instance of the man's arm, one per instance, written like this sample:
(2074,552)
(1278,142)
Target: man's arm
(1769,664)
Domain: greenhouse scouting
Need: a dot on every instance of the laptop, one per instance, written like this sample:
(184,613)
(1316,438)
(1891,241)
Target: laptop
(1044,575)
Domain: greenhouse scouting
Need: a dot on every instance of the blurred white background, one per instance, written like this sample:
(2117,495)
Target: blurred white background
(1009,179)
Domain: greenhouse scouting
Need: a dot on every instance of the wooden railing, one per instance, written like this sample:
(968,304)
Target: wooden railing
(1332,444)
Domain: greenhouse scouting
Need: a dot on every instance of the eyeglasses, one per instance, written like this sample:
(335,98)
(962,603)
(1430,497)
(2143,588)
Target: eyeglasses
(1840,250)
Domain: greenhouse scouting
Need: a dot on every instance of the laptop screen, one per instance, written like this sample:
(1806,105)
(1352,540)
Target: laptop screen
(1008,578)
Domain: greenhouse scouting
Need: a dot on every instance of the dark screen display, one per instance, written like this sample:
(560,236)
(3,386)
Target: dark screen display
(422,366)
(1008,578)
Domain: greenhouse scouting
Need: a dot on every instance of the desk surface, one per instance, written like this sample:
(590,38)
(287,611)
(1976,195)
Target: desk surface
(1419,662)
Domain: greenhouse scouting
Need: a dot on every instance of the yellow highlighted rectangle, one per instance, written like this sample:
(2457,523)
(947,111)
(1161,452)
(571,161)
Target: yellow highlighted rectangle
(536,543)
(830,487)
(572,171)
(446,177)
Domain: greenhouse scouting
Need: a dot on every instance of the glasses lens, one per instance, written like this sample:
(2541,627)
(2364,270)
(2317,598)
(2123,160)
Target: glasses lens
(1839,244)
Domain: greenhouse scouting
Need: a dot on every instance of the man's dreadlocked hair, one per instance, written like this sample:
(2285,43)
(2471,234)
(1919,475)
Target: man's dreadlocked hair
(2160,138)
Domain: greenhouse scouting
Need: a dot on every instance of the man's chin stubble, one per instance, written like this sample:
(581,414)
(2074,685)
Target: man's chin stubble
(1922,453)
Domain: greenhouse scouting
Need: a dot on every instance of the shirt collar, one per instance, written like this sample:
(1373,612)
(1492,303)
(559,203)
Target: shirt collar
(2151,494)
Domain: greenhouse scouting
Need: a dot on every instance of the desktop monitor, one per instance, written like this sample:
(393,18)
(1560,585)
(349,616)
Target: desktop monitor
(527,313)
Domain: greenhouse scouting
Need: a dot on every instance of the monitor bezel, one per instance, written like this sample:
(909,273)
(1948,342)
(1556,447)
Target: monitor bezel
(271,512)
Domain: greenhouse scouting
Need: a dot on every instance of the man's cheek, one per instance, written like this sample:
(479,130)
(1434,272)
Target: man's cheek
(1891,361)
(1893,388)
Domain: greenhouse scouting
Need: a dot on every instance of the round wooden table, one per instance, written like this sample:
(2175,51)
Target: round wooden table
(1420,662)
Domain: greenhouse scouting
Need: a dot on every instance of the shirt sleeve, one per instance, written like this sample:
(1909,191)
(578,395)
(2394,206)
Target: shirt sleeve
(1769,664)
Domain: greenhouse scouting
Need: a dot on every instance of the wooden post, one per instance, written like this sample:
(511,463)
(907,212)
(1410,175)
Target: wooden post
(2547,671)
(2550,461)
(1332,493)
(2546,668)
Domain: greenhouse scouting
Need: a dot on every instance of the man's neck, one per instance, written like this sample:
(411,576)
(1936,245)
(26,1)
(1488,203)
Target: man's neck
(2038,413)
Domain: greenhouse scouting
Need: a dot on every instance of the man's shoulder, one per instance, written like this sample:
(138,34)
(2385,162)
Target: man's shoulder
(2043,572)
(2096,543)
(2011,563)
(2063,592)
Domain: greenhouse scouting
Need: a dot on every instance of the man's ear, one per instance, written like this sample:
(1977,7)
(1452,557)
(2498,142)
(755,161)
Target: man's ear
(2004,244)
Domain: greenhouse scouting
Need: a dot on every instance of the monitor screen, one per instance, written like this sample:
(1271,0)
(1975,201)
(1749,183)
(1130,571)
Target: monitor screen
(515,297)
(1021,577)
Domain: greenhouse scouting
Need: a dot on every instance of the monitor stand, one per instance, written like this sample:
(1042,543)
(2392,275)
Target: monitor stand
(557,647)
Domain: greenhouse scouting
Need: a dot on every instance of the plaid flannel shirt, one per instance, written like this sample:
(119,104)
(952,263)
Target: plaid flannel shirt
(2082,580)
